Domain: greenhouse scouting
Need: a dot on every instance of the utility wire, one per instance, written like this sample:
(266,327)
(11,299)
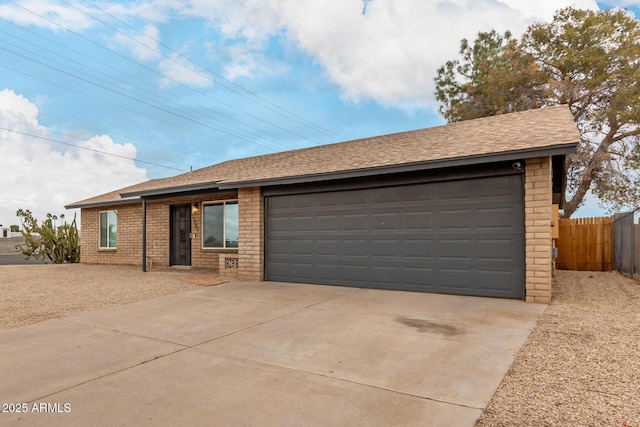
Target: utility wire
(151,69)
(88,149)
(104,64)
(107,102)
(142,101)
(242,91)
(83,125)
(142,98)
(230,133)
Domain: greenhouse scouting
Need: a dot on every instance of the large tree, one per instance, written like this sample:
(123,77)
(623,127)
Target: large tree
(588,60)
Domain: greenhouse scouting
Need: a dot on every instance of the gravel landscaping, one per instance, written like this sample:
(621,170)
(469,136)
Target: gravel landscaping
(581,364)
(34,293)
(579,367)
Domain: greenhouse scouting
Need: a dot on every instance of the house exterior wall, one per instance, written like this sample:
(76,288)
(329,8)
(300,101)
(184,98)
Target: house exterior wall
(250,254)
(159,232)
(251,234)
(538,231)
(129,250)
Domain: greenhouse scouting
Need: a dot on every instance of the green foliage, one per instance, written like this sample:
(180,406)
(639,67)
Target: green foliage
(587,60)
(14,228)
(494,77)
(49,241)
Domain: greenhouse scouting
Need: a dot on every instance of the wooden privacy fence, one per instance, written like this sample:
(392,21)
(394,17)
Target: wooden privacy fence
(585,244)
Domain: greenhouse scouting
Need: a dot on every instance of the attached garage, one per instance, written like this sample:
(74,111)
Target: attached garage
(464,208)
(460,236)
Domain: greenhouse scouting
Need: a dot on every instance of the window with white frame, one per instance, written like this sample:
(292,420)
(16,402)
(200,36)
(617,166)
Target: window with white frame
(220,225)
(108,230)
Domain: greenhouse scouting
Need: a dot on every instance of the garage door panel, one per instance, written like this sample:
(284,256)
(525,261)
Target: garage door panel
(489,188)
(418,248)
(454,190)
(325,200)
(328,223)
(456,279)
(355,222)
(353,198)
(302,247)
(355,274)
(302,223)
(385,249)
(386,195)
(418,221)
(328,247)
(386,274)
(461,237)
(499,282)
(496,250)
(495,218)
(459,219)
(459,249)
(420,276)
(417,193)
(384,221)
(276,225)
(355,248)
(279,247)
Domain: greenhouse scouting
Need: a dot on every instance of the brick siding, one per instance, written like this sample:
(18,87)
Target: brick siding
(251,234)
(129,251)
(538,219)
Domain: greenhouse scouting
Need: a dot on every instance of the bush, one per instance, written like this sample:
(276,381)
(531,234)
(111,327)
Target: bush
(57,243)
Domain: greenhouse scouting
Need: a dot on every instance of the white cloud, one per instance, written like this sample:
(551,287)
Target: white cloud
(144,46)
(49,14)
(177,70)
(43,176)
(389,54)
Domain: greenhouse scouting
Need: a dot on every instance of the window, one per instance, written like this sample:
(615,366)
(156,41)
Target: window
(220,225)
(108,230)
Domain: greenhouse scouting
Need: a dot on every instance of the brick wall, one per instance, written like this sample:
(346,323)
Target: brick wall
(251,234)
(538,218)
(129,250)
(158,232)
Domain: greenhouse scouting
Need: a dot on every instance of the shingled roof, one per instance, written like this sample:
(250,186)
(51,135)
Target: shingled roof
(533,133)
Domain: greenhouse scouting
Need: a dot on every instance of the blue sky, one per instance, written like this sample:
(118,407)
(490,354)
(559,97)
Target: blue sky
(97,95)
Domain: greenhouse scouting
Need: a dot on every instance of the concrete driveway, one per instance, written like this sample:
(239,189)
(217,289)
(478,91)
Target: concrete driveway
(265,354)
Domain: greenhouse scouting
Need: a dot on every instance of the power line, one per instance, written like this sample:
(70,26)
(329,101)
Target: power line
(102,100)
(283,111)
(150,69)
(88,149)
(121,81)
(82,125)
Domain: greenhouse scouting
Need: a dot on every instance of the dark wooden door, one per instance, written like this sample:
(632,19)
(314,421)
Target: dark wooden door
(180,220)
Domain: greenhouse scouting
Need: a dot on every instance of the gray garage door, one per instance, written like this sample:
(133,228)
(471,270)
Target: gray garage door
(457,237)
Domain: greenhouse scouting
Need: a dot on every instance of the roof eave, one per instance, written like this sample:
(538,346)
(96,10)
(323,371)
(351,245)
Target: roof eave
(408,167)
(171,190)
(81,205)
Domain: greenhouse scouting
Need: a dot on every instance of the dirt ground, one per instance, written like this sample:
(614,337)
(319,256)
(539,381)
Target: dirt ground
(581,364)
(34,293)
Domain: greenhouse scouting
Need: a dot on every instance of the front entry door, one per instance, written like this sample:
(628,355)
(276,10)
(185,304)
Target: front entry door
(180,219)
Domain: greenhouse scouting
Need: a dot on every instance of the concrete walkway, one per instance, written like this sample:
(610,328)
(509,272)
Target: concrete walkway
(265,354)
